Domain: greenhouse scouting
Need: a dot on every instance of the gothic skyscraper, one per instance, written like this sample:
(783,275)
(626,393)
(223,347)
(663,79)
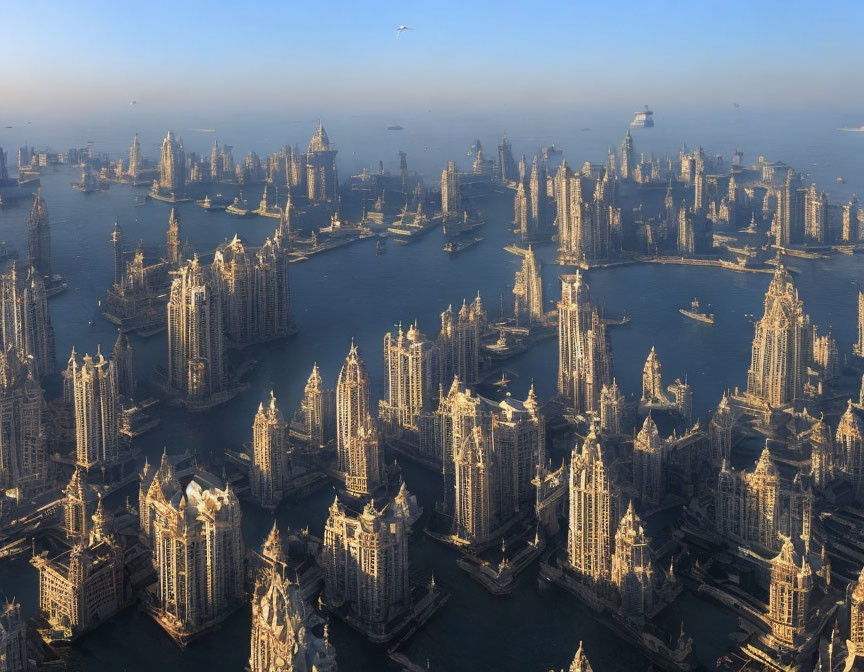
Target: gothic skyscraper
(451,199)
(322,182)
(39,237)
(584,357)
(267,475)
(410,364)
(195,335)
(781,346)
(528,289)
(172,165)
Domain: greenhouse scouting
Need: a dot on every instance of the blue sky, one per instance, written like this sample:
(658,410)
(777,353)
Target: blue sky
(554,54)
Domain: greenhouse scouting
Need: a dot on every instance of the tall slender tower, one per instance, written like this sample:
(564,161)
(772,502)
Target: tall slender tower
(528,288)
(720,431)
(849,442)
(789,596)
(459,342)
(172,165)
(589,542)
(781,346)
(173,255)
(612,406)
(13,638)
(267,473)
(648,463)
(628,161)
(537,187)
(97,412)
(476,509)
(856,615)
(451,198)
(134,158)
(506,164)
(322,182)
(312,408)
(352,403)
(789,218)
(858,347)
(652,380)
(122,366)
(410,366)
(584,357)
(195,335)
(39,236)
(816,215)
(117,245)
(850,231)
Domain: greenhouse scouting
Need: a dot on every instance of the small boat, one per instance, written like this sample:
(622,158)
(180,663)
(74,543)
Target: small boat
(239,206)
(456,246)
(840,180)
(696,313)
(380,246)
(395,127)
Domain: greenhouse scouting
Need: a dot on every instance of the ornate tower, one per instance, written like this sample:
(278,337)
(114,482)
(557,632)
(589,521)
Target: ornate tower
(791,583)
(648,463)
(173,255)
(39,236)
(269,456)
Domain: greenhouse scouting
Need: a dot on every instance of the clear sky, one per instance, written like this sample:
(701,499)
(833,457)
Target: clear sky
(273,54)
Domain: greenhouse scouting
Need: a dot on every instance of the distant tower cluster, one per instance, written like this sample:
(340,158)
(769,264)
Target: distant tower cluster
(451,196)
(26,322)
(528,288)
(364,558)
(584,356)
(459,342)
(194,533)
(39,237)
(322,182)
(356,436)
(588,226)
(172,165)
(196,346)
(781,346)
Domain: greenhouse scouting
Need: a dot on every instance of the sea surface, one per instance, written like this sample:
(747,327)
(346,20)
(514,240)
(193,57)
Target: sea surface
(352,293)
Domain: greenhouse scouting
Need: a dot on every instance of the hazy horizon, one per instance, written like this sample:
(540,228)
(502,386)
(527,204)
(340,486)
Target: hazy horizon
(192,57)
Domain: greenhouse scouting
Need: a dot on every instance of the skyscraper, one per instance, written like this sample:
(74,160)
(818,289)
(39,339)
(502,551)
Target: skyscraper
(364,558)
(195,334)
(632,568)
(612,408)
(858,346)
(506,164)
(789,596)
(849,442)
(322,182)
(648,463)
(267,473)
(589,542)
(628,161)
(198,554)
(720,431)
(528,288)
(451,198)
(13,638)
(283,627)
(410,363)
(476,512)
(850,231)
(312,409)
(172,165)
(652,380)
(97,411)
(789,218)
(39,236)
(76,507)
(173,253)
(781,346)
(584,357)
(816,215)
(352,403)
(135,163)
(459,342)
(822,458)
(856,616)
(25,322)
(23,427)
(537,190)
(117,246)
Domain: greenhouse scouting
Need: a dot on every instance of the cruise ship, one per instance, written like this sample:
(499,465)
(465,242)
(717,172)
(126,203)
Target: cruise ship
(696,313)
(643,119)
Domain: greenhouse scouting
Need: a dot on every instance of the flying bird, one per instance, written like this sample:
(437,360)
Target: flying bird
(401,28)
(133,102)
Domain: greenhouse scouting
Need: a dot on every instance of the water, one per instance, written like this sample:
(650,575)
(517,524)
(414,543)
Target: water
(352,293)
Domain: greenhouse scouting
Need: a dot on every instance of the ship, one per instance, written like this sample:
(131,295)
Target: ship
(395,127)
(551,150)
(239,206)
(456,246)
(643,119)
(696,313)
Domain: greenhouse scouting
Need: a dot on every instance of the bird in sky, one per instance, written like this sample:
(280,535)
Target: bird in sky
(133,102)
(401,28)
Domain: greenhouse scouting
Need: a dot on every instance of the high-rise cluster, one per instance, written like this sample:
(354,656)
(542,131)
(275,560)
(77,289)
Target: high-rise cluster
(459,342)
(410,363)
(26,323)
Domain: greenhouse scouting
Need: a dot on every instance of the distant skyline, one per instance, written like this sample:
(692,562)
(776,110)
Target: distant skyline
(189,56)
